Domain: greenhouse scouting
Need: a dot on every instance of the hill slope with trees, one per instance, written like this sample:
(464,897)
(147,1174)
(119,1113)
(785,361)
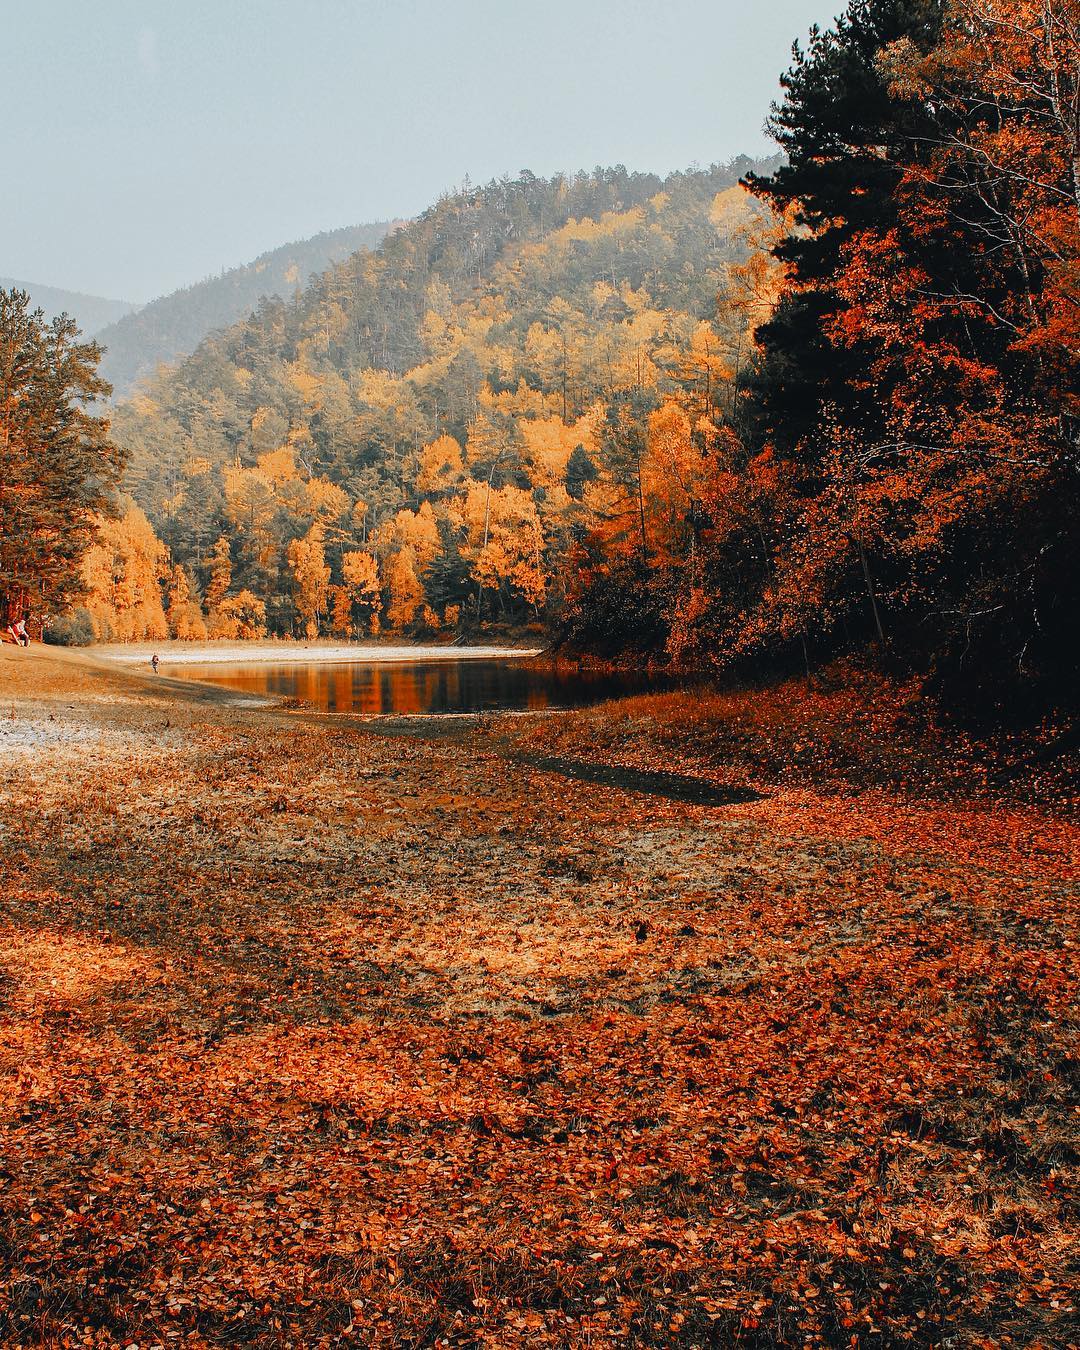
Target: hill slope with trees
(171,327)
(91,312)
(421,435)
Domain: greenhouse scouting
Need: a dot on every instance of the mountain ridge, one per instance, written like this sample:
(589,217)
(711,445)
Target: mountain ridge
(169,328)
(92,312)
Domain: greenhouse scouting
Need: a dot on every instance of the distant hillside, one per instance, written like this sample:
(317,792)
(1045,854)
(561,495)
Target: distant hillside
(92,312)
(437,424)
(170,328)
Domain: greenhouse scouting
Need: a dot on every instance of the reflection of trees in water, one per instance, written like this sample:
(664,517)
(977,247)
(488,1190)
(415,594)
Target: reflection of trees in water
(403,687)
(340,693)
(312,685)
(402,690)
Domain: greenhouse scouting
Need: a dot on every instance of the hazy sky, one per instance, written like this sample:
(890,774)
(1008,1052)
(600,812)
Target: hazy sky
(152,142)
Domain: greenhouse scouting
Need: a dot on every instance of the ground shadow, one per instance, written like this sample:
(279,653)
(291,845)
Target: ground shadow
(676,787)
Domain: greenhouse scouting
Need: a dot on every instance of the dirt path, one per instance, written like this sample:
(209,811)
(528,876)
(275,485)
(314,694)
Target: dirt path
(310,1034)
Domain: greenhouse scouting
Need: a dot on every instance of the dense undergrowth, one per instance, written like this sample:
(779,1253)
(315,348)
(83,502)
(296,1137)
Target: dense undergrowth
(848,726)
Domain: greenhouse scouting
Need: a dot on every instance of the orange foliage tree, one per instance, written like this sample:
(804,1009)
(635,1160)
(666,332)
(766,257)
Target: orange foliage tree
(360,572)
(58,467)
(123,571)
(241,616)
(184,615)
(311,578)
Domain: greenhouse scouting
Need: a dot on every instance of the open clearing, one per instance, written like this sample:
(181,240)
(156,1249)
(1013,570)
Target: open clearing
(312,1035)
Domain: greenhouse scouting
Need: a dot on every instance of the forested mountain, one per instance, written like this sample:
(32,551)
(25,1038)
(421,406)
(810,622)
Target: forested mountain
(91,312)
(420,436)
(754,415)
(170,328)
(834,413)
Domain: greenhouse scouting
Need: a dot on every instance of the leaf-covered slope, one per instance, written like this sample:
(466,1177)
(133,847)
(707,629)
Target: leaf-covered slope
(170,328)
(91,312)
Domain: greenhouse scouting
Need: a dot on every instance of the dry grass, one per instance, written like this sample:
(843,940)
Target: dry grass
(312,1036)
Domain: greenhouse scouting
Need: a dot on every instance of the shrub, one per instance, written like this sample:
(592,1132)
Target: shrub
(71,630)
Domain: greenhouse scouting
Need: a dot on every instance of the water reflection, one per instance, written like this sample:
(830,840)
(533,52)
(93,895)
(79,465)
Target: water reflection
(404,687)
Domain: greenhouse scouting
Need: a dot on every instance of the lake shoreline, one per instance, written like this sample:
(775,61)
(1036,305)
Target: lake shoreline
(413,680)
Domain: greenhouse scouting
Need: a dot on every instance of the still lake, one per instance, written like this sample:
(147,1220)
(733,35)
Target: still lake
(425,687)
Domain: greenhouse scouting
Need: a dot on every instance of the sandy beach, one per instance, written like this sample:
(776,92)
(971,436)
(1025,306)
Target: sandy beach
(238,653)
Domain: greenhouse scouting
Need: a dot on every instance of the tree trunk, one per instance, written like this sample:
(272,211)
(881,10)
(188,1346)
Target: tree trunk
(641,513)
(873,597)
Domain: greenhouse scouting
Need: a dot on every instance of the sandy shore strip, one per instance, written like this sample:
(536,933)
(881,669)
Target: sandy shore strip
(252,653)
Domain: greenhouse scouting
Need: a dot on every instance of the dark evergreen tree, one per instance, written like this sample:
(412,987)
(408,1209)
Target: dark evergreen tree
(449,581)
(847,137)
(580,471)
(58,466)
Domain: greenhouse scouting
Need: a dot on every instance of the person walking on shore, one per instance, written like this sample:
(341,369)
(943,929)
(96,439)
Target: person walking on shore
(154,662)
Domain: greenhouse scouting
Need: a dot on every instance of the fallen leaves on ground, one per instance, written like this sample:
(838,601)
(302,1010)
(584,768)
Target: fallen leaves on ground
(312,1035)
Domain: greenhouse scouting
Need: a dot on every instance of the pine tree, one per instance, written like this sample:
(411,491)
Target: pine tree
(847,137)
(58,466)
(217,587)
(580,471)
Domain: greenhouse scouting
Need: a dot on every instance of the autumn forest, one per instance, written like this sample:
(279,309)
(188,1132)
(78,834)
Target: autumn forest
(760,413)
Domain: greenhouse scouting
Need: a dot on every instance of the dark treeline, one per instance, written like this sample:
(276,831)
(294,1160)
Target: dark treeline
(900,473)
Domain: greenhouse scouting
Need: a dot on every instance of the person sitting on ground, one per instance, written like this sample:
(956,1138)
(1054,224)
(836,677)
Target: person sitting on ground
(22,637)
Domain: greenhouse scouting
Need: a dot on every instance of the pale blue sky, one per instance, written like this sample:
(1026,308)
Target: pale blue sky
(152,142)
